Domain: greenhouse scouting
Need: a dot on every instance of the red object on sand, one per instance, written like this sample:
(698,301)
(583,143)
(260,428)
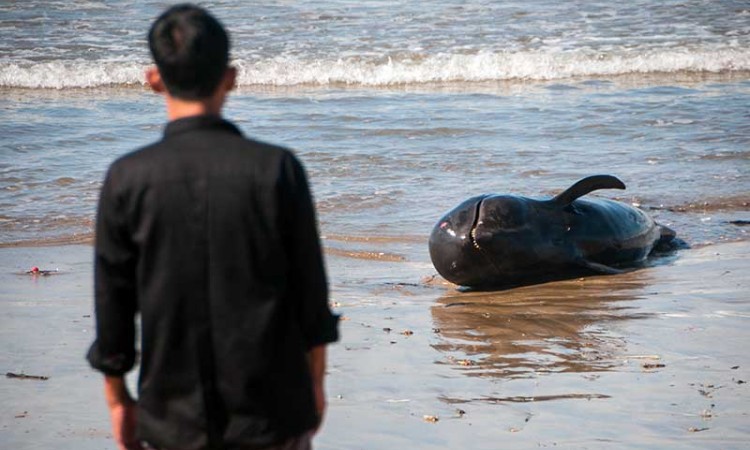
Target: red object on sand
(36,271)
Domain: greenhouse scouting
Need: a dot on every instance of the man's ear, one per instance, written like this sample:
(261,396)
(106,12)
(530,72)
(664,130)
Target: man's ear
(230,78)
(153,78)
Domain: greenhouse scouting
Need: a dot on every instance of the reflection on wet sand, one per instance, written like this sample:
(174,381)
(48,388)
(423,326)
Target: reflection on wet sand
(75,239)
(564,326)
(369,247)
(527,399)
(365,254)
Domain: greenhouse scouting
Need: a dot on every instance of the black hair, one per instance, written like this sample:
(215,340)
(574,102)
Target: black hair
(191,49)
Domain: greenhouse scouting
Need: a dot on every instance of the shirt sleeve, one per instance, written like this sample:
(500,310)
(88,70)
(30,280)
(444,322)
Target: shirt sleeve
(309,286)
(113,351)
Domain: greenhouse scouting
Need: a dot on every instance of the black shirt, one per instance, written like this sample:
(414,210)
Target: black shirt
(212,238)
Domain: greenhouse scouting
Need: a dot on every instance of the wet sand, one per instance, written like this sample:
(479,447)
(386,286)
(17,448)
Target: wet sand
(655,358)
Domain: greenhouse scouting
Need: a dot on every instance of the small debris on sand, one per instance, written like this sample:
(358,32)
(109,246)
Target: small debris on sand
(432,419)
(707,390)
(653,365)
(407,332)
(696,430)
(23,376)
(643,357)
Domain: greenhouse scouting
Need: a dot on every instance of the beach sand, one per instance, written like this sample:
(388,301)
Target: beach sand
(655,358)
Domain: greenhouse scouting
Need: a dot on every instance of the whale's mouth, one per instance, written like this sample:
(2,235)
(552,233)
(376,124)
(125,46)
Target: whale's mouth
(475,224)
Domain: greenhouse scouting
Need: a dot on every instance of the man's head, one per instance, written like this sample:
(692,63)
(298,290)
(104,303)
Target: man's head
(191,50)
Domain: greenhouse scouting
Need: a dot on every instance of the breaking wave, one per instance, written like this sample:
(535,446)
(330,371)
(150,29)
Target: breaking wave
(390,71)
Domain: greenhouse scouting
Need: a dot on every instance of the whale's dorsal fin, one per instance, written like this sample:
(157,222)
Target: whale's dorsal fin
(586,185)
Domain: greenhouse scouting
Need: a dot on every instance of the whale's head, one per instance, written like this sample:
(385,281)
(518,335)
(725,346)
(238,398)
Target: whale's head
(452,248)
(487,239)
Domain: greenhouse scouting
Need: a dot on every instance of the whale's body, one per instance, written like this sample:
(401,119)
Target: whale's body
(504,240)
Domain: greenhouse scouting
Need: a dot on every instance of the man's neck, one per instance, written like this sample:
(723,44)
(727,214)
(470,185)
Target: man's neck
(179,109)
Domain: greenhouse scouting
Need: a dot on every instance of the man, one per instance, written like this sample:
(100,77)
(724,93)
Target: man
(212,238)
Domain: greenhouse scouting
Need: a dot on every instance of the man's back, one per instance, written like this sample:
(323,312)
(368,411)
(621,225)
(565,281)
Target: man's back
(215,237)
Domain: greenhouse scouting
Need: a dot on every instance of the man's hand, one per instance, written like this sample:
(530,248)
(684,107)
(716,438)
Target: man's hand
(122,413)
(320,401)
(317,362)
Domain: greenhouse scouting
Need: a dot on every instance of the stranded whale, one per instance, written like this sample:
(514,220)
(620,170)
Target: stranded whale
(506,240)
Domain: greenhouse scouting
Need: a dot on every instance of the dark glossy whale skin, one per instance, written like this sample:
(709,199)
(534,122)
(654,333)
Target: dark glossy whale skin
(499,240)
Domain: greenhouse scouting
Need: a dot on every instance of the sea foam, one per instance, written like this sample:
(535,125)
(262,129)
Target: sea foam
(386,71)
(72,74)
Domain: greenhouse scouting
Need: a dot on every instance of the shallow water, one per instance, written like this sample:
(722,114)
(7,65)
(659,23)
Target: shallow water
(390,162)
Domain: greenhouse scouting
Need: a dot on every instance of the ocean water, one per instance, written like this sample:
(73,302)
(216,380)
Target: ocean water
(398,110)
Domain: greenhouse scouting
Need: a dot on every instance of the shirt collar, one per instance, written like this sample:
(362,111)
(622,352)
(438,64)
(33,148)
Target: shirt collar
(204,122)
